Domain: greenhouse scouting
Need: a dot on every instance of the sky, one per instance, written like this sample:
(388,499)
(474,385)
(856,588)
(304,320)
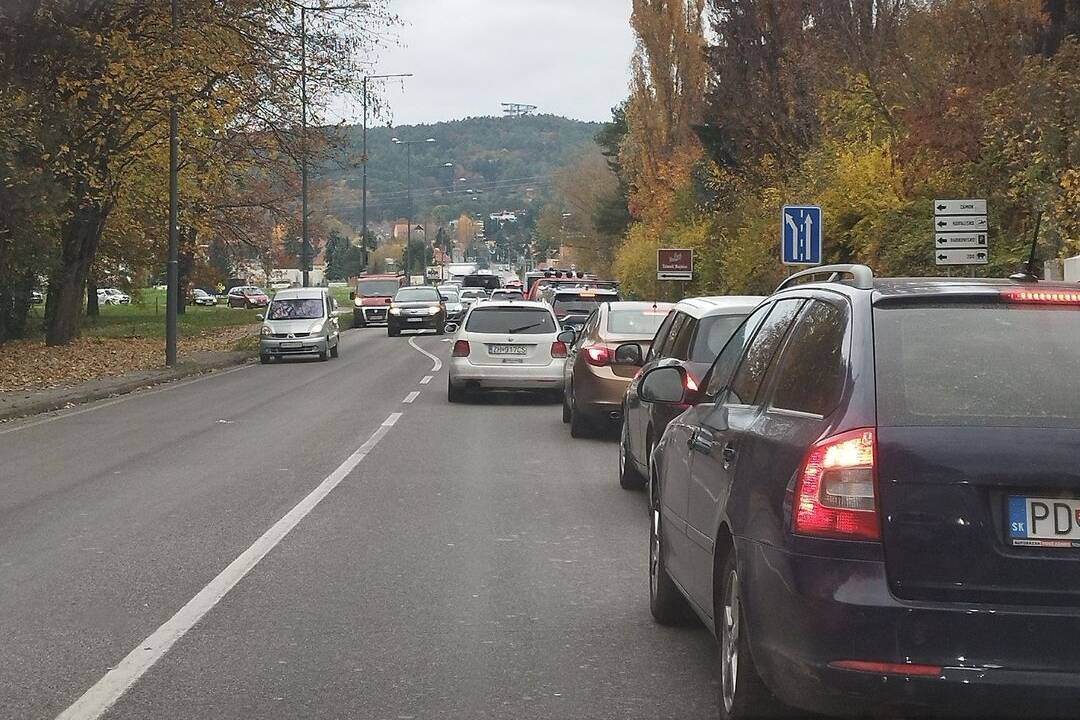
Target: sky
(567,57)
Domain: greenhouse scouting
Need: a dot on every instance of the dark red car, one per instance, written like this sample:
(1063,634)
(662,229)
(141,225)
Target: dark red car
(248,296)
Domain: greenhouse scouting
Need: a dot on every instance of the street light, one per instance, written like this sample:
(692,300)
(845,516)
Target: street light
(408,184)
(305,252)
(364,157)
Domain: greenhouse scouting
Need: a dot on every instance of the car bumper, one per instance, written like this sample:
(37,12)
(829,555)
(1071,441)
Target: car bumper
(507,377)
(816,611)
(599,393)
(298,346)
(416,322)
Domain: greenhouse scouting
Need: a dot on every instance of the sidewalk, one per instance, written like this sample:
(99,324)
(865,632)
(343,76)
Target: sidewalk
(19,403)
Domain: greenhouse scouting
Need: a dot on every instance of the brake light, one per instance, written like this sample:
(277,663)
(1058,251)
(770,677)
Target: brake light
(1042,297)
(461,348)
(835,494)
(597,355)
(558,349)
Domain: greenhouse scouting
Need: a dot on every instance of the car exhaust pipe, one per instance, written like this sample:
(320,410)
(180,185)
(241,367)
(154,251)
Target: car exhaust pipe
(615,416)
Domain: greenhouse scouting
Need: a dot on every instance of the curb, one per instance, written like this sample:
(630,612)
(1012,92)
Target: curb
(61,398)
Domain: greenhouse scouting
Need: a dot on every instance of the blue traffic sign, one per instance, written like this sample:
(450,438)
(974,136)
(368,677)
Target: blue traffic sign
(800,226)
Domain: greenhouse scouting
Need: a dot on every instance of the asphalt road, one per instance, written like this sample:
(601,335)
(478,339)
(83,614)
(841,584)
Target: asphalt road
(465,561)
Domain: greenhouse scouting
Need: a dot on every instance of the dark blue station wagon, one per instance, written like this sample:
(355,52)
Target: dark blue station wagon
(874,498)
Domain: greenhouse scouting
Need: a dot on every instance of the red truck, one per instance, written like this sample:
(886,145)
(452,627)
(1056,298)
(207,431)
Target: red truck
(372,296)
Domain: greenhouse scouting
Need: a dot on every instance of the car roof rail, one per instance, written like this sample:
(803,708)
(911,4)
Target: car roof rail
(861,274)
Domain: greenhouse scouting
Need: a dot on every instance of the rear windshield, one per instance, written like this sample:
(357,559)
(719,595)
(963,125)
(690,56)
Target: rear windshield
(712,335)
(295,309)
(1002,365)
(517,321)
(417,294)
(642,323)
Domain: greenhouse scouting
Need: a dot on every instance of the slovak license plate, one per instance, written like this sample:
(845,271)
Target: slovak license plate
(291,344)
(1044,522)
(506,349)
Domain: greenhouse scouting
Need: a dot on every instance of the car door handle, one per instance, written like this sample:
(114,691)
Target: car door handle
(701,441)
(728,454)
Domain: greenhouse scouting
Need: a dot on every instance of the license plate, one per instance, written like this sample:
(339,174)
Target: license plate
(415,319)
(1044,522)
(291,344)
(506,349)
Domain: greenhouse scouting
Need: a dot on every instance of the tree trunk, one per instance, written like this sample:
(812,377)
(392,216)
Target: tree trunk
(78,245)
(92,309)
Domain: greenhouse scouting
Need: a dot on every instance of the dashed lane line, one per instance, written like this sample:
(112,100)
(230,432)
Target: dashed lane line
(426,379)
(411,396)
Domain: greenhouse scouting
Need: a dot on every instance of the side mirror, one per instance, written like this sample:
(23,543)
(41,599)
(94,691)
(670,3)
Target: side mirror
(260,316)
(566,337)
(352,295)
(629,354)
(665,385)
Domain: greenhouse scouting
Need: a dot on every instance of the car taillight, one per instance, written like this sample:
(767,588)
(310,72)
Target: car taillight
(597,355)
(835,494)
(558,349)
(461,348)
(1042,297)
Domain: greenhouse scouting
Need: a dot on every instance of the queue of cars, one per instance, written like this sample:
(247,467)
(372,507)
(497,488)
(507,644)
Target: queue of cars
(865,488)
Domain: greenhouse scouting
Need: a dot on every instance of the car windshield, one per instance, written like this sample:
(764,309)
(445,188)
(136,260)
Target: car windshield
(712,335)
(296,309)
(978,365)
(450,296)
(566,304)
(417,294)
(519,321)
(473,294)
(641,323)
(377,288)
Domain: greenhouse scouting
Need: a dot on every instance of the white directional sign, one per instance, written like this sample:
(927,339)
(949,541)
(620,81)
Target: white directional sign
(945,241)
(961,257)
(961,232)
(959,223)
(960,207)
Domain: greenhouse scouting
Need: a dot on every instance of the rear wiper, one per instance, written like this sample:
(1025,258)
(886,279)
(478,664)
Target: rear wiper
(524,327)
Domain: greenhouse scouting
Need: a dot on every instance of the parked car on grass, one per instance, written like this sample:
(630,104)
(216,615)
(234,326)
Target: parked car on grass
(198,296)
(604,358)
(692,336)
(247,296)
(300,321)
(112,296)
(872,498)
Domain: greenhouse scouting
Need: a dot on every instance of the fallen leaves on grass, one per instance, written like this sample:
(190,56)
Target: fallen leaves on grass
(30,365)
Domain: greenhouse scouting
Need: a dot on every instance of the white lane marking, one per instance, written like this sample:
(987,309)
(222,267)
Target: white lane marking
(425,380)
(97,405)
(106,691)
(438,363)
(411,396)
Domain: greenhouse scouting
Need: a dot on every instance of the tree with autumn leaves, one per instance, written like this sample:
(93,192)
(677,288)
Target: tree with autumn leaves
(870,108)
(85,88)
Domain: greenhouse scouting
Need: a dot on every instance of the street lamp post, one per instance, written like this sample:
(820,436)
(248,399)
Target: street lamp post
(305,251)
(408,185)
(364,156)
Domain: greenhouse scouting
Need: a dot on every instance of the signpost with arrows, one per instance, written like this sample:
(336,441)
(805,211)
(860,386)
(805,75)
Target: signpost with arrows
(961,234)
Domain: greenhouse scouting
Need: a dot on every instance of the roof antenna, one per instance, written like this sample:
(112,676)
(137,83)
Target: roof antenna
(1029,275)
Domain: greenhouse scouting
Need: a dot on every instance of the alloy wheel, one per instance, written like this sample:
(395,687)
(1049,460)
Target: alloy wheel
(729,645)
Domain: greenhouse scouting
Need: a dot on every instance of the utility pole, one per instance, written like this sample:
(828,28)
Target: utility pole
(408,184)
(172,280)
(364,156)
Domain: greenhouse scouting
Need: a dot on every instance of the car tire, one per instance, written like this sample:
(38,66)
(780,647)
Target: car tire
(666,603)
(743,694)
(334,351)
(392,332)
(324,356)
(566,407)
(579,424)
(440,329)
(358,320)
(629,477)
(454,394)
(264,359)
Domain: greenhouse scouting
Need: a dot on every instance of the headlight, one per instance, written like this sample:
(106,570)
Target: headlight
(266,331)
(317,327)
(395,311)
(433,311)
(358,302)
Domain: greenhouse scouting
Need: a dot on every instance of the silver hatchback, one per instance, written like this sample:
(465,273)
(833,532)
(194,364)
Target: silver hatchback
(300,321)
